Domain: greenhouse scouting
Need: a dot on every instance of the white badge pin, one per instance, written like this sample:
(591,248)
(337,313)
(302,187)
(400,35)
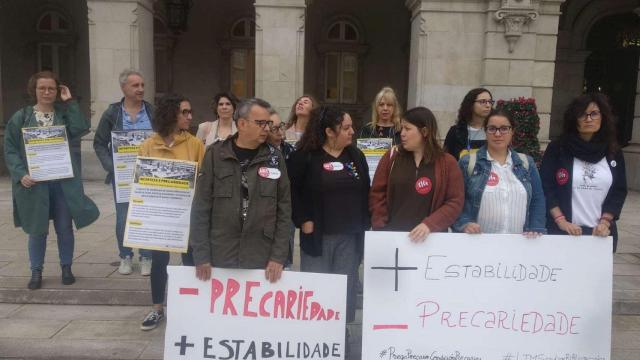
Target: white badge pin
(269,173)
(333,166)
(613,163)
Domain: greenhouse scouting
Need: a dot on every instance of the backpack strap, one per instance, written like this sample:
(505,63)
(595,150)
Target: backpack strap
(472,163)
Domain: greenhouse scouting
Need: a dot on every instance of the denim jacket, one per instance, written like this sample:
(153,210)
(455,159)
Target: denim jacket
(474,187)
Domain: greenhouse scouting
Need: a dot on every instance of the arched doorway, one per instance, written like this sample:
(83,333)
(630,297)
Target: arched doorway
(612,66)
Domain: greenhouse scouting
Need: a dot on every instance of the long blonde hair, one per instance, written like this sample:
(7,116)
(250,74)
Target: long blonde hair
(386,93)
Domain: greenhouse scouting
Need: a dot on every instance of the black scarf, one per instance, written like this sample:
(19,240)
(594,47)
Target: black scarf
(588,151)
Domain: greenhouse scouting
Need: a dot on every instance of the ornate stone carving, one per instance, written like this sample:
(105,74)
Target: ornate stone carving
(514,14)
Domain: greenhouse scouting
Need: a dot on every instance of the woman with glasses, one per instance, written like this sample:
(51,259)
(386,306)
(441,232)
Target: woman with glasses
(385,117)
(171,140)
(583,172)
(35,202)
(503,193)
(330,185)
(417,187)
(299,117)
(467,134)
(224,104)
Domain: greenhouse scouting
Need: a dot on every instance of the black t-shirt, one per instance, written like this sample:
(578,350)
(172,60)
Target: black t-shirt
(341,195)
(244,158)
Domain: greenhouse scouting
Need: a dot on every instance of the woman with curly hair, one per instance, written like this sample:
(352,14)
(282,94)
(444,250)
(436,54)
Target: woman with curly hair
(583,172)
(467,134)
(299,117)
(171,140)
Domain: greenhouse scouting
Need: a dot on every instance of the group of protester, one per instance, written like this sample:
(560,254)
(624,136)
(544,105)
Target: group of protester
(254,185)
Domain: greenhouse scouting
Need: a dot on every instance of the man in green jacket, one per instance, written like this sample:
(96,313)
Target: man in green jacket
(130,113)
(241,212)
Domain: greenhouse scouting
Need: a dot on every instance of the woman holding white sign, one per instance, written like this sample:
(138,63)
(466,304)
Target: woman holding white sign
(503,192)
(329,187)
(35,202)
(583,172)
(417,186)
(171,140)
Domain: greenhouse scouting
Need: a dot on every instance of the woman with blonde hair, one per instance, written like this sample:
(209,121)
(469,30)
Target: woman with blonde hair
(385,117)
(299,117)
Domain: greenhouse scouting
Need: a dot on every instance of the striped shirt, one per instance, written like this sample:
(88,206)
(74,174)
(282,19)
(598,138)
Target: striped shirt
(503,208)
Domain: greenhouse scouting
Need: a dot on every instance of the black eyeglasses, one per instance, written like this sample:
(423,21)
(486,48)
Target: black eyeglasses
(594,115)
(485,102)
(276,128)
(186,112)
(264,123)
(501,129)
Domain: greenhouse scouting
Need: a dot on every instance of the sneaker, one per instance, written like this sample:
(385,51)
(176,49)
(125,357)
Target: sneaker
(125,267)
(145,266)
(152,319)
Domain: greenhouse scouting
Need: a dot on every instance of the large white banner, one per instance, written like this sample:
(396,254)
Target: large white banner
(160,204)
(124,147)
(240,315)
(47,150)
(487,297)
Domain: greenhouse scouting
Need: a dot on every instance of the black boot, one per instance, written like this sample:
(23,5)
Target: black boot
(36,280)
(67,275)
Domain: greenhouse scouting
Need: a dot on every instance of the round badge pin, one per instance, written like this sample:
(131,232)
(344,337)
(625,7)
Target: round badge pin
(423,185)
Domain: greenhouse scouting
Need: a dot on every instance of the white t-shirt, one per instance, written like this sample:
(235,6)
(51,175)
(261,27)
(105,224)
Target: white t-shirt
(503,208)
(590,186)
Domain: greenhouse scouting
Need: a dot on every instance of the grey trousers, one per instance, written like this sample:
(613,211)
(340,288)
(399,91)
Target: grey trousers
(339,256)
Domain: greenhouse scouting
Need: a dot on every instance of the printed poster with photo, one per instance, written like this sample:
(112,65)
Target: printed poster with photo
(160,204)
(124,147)
(374,149)
(47,150)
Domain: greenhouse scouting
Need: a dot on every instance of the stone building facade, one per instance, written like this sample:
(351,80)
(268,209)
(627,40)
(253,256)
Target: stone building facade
(431,51)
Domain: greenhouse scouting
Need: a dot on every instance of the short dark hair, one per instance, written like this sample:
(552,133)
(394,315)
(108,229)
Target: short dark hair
(165,116)
(607,132)
(320,119)
(423,118)
(33,81)
(466,106)
(500,112)
(232,98)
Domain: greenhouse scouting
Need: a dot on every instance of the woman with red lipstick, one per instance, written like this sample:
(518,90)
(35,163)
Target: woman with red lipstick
(299,117)
(385,117)
(583,172)
(329,187)
(417,187)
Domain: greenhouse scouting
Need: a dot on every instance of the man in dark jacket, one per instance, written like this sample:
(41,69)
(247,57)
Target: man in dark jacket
(130,113)
(241,212)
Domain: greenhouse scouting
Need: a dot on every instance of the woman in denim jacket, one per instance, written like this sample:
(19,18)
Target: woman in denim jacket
(503,191)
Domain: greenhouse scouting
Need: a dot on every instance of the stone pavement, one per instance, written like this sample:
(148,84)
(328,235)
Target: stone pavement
(99,316)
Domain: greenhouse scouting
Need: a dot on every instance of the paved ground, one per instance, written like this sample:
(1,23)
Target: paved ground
(99,316)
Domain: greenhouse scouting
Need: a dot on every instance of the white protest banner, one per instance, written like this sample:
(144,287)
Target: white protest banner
(240,315)
(373,150)
(487,297)
(160,204)
(124,148)
(47,150)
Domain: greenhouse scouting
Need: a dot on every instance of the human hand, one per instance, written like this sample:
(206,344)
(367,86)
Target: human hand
(531,234)
(472,228)
(569,228)
(419,233)
(273,272)
(203,271)
(602,229)
(27,181)
(65,93)
(307,227)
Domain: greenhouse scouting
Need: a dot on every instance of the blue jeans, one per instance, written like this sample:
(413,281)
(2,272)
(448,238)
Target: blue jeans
(61,215)
(121,220)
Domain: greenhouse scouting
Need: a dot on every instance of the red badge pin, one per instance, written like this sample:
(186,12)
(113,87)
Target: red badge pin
(263,172)
(493,180)
(423,185)
(562,176)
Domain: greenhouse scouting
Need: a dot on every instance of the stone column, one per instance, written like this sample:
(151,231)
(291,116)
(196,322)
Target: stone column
(521,51)
(280,52)
(632,151)
(120,37)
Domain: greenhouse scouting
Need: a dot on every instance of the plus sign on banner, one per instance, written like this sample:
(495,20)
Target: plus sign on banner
(487,297)
(239,315)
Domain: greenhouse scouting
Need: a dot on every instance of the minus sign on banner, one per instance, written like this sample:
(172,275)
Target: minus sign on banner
(188,291)
(391,327)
